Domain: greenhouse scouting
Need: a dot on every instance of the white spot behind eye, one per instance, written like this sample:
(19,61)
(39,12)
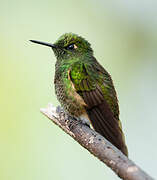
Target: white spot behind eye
(75,47)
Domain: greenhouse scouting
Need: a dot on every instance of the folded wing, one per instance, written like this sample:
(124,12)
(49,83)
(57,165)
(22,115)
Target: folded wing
(95,86)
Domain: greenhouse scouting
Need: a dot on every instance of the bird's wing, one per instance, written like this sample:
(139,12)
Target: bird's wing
(95,86)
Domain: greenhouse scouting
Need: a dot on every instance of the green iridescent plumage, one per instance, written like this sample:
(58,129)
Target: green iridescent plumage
(85,89)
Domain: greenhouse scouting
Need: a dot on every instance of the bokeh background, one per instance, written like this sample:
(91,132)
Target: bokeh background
(123,35)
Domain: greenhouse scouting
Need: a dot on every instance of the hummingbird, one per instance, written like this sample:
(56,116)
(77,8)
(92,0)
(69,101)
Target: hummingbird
(85,89)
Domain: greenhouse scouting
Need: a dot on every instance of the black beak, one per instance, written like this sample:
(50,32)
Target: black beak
(43,43)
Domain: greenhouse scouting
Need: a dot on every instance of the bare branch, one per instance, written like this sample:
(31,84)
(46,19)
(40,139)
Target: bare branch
(96,144)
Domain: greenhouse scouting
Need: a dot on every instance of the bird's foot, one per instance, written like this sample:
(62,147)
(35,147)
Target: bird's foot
(84,120)
(70,120)
(75,121)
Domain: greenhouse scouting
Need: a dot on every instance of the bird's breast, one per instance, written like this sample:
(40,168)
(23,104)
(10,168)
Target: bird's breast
(66,94)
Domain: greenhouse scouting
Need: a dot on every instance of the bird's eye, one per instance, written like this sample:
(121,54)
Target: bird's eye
(71,47)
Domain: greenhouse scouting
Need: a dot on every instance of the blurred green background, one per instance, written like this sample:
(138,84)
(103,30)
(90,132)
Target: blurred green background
(123,36)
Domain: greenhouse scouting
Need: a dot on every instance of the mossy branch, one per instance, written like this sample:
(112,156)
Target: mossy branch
(96,144)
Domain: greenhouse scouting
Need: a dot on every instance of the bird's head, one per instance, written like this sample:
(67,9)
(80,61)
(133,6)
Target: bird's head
(69,46)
